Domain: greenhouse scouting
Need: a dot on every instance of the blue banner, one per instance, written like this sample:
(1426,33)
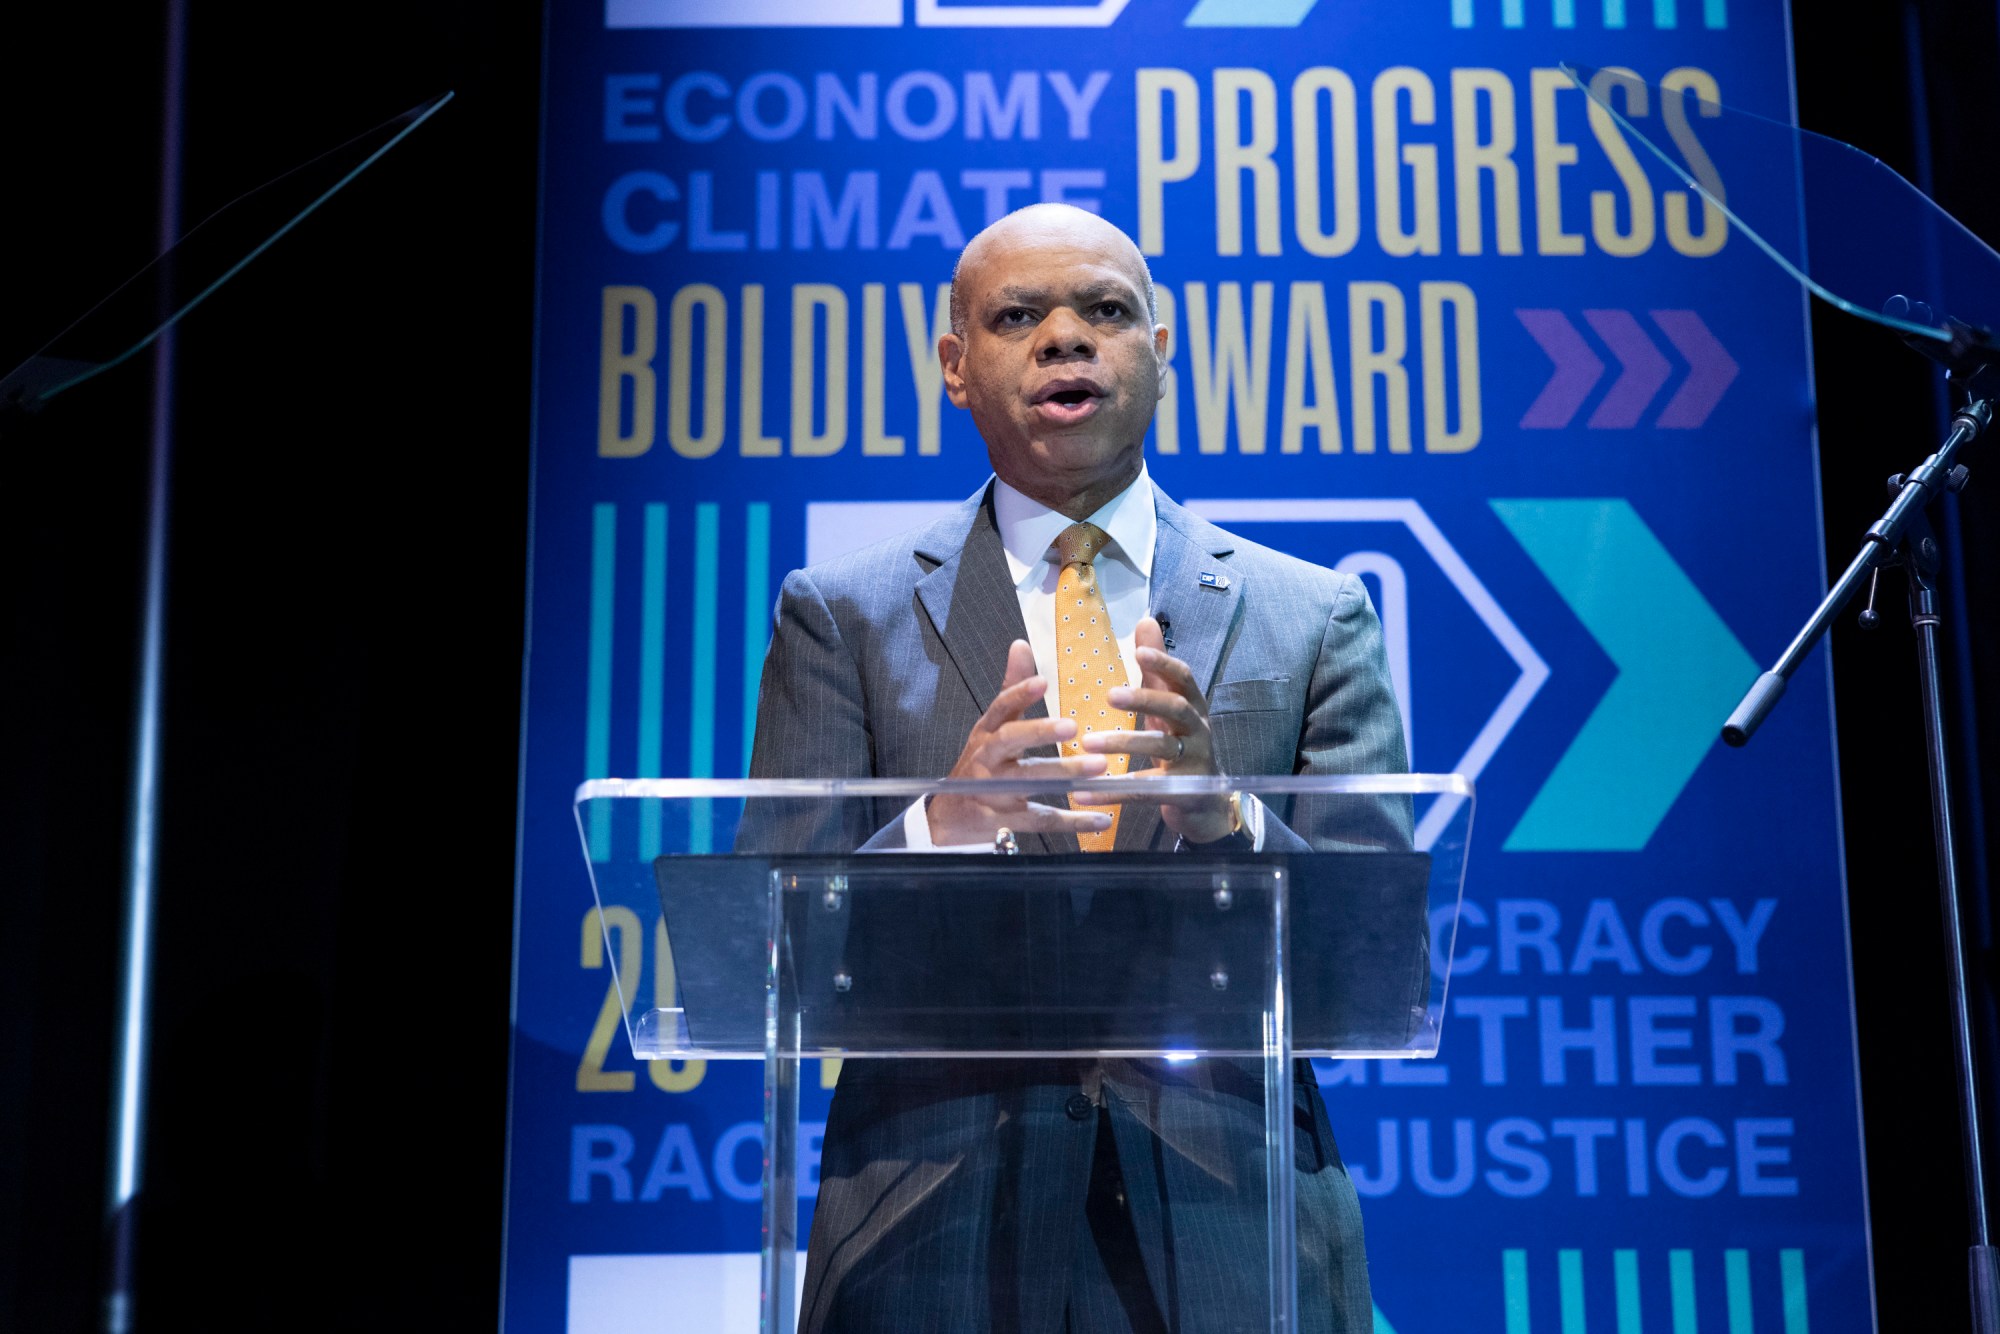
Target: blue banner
(1432,324)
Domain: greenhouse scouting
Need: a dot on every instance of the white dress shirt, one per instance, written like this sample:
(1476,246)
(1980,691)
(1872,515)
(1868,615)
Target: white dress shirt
(1028,532)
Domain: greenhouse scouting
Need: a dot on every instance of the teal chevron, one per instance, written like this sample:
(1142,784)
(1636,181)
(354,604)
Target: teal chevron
(1382,1325)
(1249,13)
(1680,671)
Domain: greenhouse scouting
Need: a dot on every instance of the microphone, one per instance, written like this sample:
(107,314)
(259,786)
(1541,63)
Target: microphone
(1166,631)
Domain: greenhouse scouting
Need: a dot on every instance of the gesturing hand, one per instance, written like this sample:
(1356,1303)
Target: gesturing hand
(997,748)
(1173,714)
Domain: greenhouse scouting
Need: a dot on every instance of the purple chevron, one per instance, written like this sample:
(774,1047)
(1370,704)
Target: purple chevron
(1711,370)
(1577,369)
(1645,369)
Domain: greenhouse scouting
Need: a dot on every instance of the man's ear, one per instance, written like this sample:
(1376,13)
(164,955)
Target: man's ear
(951,352)
(1162,344)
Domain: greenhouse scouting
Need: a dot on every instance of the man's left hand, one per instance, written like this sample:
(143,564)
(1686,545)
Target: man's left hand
(1174,732)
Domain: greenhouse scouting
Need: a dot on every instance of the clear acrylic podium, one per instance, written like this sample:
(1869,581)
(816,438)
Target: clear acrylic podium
(1175,987)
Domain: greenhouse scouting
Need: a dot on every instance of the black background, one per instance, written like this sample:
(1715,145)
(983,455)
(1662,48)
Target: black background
(347,576)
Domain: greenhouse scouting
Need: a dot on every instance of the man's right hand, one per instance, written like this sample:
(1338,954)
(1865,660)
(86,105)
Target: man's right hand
(997,748)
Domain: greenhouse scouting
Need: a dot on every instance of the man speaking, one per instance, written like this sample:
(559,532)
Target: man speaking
(1027,635)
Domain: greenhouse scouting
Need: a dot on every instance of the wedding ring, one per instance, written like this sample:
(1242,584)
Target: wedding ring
(1180,748)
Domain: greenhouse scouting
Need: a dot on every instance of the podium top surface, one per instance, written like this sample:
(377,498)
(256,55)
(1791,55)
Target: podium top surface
(1334,906)
(683,789)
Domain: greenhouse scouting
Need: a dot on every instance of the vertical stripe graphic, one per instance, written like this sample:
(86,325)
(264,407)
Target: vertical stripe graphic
(1736,1280)
(1625,1277)
(1514,1284)
(597,695)
(1562,13)
(1569,1278)
(1792,1276)
(1680,1284)
(1715,13)
(652,670)
(756,613)
(701,701)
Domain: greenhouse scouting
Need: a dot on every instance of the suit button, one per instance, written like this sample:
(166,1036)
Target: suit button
(1079,1107)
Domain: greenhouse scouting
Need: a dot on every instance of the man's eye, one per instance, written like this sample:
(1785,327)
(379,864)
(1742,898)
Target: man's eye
(1017,316)
(1109,310)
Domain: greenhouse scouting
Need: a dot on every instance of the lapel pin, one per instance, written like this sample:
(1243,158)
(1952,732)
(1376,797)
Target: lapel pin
(1211,580)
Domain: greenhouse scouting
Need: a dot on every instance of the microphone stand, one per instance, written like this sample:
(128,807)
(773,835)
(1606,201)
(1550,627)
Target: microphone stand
(1903,537)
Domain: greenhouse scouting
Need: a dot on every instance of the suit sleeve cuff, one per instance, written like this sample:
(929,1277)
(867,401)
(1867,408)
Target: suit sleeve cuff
(917,833)
(917,828)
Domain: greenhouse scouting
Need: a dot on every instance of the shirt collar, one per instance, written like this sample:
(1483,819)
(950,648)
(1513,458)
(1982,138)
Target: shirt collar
(1029,529)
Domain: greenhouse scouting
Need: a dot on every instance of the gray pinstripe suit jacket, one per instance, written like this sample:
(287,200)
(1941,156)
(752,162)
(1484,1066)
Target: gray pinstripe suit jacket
(951,1193)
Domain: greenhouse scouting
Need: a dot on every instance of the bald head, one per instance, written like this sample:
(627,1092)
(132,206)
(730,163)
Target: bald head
(1057,353)
(1041,222)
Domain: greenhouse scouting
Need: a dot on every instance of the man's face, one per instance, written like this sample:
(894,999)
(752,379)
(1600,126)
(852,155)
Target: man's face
(1059,363)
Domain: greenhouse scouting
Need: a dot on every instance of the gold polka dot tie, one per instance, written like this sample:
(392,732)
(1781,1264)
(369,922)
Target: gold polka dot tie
(1088,663)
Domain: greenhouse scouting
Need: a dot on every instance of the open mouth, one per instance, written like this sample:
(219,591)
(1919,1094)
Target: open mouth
(1067,402)
(1066,407)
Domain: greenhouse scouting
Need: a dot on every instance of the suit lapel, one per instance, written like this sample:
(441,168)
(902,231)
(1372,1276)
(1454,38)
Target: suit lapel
(1186,548)
(1200,616)
(970,601)
(976,611)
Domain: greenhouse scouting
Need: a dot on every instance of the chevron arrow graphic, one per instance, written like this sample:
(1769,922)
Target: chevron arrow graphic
(1577,369)
(1711,369)
(1679,670)
(1643,370)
